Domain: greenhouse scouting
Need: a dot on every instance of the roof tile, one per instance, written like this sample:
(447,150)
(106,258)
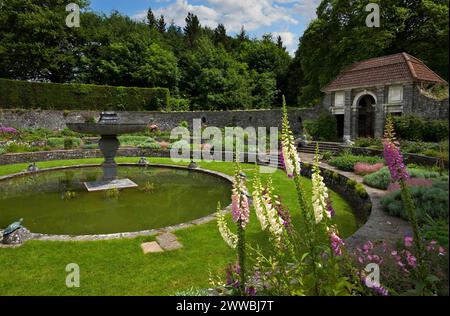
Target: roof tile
(384,70)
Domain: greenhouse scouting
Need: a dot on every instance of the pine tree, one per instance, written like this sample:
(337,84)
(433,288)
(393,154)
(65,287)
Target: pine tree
(151,20)
(242,36)
(220,35)
(192,29)
(161,24)
(280,42)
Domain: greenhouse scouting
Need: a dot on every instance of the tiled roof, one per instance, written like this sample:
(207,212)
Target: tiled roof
(384,70)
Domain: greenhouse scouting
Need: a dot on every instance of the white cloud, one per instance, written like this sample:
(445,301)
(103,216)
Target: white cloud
(306,8)
(290,40)
(252,14)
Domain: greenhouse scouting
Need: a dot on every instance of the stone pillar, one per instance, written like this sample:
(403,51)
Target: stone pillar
(380,112)
(355,119)
(408,99)
(348,116)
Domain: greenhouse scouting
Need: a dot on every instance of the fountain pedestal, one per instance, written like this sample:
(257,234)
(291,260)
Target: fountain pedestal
(109,144)
(108,127)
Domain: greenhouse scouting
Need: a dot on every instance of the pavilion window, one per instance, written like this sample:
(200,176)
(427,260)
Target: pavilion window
(339,99)
(395,94)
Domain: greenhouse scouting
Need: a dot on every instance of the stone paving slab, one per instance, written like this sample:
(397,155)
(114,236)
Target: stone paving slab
(108,185)
(151,247)
(168,242)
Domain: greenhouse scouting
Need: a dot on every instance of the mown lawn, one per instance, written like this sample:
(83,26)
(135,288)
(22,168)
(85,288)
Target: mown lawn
(118,267)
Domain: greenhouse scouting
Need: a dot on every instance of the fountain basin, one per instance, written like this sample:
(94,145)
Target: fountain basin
(166,196)
(106,128)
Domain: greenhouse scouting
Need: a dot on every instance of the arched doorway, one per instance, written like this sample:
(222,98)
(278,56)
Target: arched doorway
(366,116)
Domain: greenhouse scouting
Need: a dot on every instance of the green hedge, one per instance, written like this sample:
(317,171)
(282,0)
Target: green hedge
(418,129)
(324,128)
(346,162)
(54,96)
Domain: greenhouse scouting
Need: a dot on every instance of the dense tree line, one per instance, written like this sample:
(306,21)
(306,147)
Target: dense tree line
(206,68)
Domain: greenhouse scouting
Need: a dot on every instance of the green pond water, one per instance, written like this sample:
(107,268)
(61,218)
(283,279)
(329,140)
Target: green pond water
(172,197)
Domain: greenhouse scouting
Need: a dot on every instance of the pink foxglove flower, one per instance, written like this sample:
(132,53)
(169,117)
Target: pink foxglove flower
(394,160)
(337,243)
(392,155)
(408,241)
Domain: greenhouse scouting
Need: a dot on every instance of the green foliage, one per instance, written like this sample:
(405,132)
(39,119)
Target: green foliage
(15,147)
(361,191)
(346,162)
(436,230)
(375,143)
(327,156)
(430,201)
(179,105)
(63,142)
(414,128)
(322,129)
(160,68)
(52,96)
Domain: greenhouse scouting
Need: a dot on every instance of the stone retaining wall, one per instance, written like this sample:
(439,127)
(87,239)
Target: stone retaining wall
(40,156)
(56,120)
(359,201)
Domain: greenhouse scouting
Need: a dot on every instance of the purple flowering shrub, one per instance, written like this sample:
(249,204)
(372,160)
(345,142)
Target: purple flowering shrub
(8,133)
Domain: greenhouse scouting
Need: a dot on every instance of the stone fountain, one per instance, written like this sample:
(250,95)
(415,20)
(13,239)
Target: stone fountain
(109,127)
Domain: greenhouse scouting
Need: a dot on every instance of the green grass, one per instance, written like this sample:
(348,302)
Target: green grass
(118,267)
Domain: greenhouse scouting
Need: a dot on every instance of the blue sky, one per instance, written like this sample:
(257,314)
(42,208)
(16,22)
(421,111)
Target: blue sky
(288,18)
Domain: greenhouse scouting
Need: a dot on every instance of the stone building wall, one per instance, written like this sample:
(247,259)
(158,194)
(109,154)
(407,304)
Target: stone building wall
(427,107)
(414,103)
(55,120)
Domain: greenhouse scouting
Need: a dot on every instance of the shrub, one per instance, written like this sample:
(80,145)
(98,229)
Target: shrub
(55,142)
(363,169)
(346,162)
(324,128)
(418,129)
(382,179)
(327,155)
(368,142)
(14,147)
(71,142)
(413,182)
(54,96)
(179,105)
(430,201)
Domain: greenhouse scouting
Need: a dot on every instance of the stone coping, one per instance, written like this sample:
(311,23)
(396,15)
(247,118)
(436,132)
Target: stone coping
(152,232)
